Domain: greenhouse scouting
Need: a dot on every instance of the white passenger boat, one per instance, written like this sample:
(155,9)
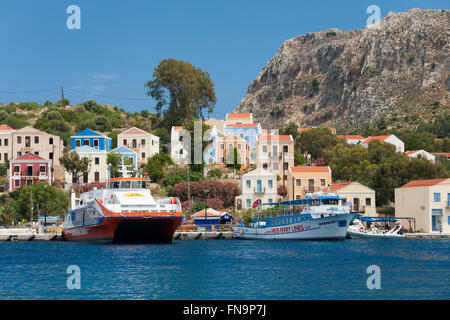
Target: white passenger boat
(317,217)
(358,231)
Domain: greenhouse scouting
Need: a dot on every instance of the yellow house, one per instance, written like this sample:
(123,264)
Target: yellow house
(360,196)
(428,201)
(275,153)
(307,179)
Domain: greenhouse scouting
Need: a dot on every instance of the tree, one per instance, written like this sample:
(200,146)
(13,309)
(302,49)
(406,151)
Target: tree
(19,206)
(73,163)
(114,160)
(316,141)
(155,166)
(181,91)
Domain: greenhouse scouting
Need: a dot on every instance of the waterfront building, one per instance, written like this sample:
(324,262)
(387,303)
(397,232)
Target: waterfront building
(307,179)
(29,169)
(40,143)
(98,167)
(5,143)
(127,154)
(90,138)
(422,153)
(361,197)
(225,145)
(249,132)
(212,219)
(392,139)
(275,153)
(238,118)
(259,184)
(178,151)
(428,201)
(142,142)
(352,139)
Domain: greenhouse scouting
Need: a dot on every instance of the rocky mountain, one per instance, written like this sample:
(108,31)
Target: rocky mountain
(399,72)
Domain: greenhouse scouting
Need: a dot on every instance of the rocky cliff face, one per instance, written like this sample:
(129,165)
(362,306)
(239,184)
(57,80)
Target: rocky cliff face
(347,78)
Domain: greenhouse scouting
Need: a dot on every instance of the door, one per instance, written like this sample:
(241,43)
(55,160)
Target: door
(436,219)
(311,185)
(355,204)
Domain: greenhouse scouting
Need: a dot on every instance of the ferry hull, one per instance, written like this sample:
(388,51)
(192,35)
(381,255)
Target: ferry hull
(126,229)
(328,228)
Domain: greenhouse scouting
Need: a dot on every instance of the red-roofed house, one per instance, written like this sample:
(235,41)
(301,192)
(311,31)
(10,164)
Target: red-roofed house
(428,201)
(239,118)
(360,196)
(275,153)
(140,141)
(442,154)
(307,179)
(422,153)
(27,170)
(352,139)
(392,139)
(5,143)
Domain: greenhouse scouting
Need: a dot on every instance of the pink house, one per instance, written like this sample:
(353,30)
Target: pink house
(27,170)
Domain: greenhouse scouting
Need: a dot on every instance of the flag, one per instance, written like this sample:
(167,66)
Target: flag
(256,203)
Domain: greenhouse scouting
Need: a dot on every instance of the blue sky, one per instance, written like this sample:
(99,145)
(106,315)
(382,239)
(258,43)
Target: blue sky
(120,43)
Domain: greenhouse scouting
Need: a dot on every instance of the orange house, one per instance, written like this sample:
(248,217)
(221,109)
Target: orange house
(227,144)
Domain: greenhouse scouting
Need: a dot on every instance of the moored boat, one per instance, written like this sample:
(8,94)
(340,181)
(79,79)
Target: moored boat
(358,231)
(317,217)
(123,212)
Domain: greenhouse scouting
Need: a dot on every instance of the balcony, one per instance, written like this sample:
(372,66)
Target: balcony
(19,175)
(259,190)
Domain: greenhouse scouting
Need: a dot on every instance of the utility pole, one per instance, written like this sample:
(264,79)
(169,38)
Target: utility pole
(31,204)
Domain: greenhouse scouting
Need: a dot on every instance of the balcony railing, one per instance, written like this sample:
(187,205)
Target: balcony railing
(259,190)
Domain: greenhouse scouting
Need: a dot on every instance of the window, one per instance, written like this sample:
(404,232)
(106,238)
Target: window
(437,197)
(153,142)
(264,148)
(222,159)
(143,155)
(16,168)
(249,203)
(0,156)
(275,166)
(142,142)
(97,161)
(97,176)
(50,141)
(265,166)
(239,146)
(248,184)
(181,151)
(298,197)
(322,182)
(19,153)
(86,142)
(298,182)
(5,157)
(77,143)
(36,153)
(275,150)
(270,184)
(19,140)
(27,142)
(368,202)
(270,200)
(6,142)
(96,143)
(36,140)
(30,171)
(85,177)
(286,166)
(124,142)
(50,155)
(134,143)
(16,183)
(42,169)
(222,146)
(0,142)
(285,148)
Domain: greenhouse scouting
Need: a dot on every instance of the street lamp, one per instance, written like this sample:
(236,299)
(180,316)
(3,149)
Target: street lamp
(206,191)
(45,205)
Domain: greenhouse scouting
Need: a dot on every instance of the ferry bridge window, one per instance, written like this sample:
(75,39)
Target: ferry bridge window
(144,185)
(135,184)
(116,184)
(125,185)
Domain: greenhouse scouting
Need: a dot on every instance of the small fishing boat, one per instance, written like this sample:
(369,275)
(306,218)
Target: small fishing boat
(358,231)
(123,212)
(317,217)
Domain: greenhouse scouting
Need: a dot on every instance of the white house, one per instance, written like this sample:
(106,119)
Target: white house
(392,139)
(423,153)
(352,139)
(178,151)
(140,141)
(98,167)
(258,184)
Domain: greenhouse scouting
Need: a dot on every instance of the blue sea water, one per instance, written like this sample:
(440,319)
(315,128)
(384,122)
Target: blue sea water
(234,269)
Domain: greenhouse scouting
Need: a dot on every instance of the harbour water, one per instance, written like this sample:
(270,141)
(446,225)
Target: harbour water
(409,269)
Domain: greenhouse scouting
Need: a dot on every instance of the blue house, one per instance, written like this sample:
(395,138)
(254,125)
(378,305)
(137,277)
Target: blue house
(127,153)
(90,138)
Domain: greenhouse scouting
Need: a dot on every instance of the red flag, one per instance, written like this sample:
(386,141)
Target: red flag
(256,203)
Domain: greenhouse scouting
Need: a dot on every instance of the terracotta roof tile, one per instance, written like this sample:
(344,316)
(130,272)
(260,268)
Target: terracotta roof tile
(311,169)
(242,125)
(5,127)
(380,138)
(275,137)
(351,137)
(423,183)
(238,115)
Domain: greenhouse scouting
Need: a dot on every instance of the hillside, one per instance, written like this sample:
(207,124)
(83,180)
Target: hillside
(344,79)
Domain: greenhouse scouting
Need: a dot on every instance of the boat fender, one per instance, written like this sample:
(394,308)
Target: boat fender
(361,229)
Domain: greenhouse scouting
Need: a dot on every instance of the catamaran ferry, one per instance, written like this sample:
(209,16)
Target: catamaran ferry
(123,212)
(317,217)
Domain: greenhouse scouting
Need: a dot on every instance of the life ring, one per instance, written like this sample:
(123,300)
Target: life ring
(361,229)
